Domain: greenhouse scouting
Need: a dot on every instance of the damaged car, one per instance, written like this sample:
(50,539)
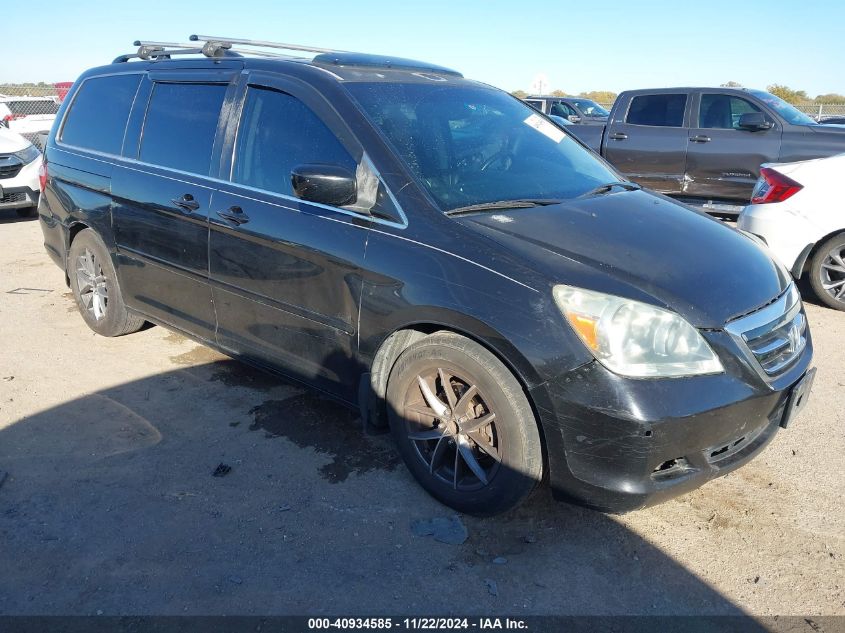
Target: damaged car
(433,252)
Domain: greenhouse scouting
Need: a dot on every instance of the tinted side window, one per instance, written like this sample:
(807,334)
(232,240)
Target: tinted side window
(98,114)
(723,111)
(180,125)
(562,109)
(661,110)
(277,132)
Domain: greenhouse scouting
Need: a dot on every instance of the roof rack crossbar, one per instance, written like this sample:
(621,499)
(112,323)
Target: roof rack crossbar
(155,52)
(263,43)
(164,44)
(193,45)
(222,47)
(148,50)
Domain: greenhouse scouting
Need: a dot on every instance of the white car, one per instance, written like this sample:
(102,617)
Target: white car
(28,116)
(803,225)
(20,162)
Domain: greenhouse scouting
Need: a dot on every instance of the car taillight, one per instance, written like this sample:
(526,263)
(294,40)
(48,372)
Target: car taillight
(42,175)
(12,117)
(773,186)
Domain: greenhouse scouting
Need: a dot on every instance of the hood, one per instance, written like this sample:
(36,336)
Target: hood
(11,141)
(645,247)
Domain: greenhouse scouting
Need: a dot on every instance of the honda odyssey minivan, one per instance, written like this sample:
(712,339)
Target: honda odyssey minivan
(432,251)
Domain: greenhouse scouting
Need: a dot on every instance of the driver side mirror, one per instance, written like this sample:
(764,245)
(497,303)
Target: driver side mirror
(324,184)
(754,122)
(573,118)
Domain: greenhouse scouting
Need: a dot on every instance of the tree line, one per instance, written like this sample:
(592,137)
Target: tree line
(790,95)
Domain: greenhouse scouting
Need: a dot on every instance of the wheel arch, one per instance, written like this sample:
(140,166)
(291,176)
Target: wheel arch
(373,386)
(808,260)
(73,229)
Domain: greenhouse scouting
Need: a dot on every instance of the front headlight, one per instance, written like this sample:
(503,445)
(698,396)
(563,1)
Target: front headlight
(633,338)
(28,154)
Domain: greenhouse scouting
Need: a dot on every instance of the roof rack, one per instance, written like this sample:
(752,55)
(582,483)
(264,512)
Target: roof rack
(150,50)
(210,49)
(261,43)
(220,47)
(323,55)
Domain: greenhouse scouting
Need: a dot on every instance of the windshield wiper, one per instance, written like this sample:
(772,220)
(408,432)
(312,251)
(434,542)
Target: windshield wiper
(608,187)
(522,203)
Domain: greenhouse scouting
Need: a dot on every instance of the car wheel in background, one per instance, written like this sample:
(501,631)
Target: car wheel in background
(827,272)
(463,425)
(95,288)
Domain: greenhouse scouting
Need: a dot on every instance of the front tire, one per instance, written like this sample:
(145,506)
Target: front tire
(93,282)
(463,425)
(827,272)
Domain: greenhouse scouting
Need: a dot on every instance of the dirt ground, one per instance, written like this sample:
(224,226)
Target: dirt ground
(109,504)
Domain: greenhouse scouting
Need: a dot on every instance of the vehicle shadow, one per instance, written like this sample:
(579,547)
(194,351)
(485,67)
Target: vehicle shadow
(808,295)
(10,216)
(109,505)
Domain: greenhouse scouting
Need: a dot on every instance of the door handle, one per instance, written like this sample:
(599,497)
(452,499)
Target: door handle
(186,203)
(235,215)
(701,138)
(618,136)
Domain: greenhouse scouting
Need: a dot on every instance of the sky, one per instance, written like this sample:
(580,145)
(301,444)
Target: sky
(591,45)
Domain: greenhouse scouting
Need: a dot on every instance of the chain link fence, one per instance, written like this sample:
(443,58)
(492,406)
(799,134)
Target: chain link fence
(30,109)
(820,111)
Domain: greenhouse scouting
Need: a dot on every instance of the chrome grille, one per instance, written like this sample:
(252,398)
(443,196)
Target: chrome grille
(775,335)
(776,349)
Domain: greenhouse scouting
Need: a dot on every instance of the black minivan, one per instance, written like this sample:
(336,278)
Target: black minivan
(430,250)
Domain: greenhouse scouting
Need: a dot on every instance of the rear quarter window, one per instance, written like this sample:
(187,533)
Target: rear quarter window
(663,110)
(97,117)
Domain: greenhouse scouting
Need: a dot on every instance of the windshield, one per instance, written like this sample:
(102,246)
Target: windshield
(589,107)
(471,145)
(785,110)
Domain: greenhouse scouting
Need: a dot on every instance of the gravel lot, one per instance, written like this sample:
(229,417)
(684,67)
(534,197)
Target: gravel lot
(109,504)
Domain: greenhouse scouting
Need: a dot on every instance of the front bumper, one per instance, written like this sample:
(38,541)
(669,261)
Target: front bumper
(21,191)
(619,444)
(18,197)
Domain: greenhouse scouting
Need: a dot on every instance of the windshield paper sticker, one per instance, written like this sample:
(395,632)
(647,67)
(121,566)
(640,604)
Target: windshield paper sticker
(545,127)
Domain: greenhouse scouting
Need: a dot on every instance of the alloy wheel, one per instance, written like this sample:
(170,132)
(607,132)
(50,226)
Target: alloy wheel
(453,429)
(833,273)
(91,282)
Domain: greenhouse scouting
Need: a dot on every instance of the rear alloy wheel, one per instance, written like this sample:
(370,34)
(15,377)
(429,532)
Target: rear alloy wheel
(463,425)
(827,272)
(95,288)
(91,283)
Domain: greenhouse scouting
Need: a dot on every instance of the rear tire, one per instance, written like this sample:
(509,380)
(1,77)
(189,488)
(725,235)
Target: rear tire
(93,282)
(827,272)
(475,448)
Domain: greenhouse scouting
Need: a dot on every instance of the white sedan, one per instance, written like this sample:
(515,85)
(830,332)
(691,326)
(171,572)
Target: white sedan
(793,211)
